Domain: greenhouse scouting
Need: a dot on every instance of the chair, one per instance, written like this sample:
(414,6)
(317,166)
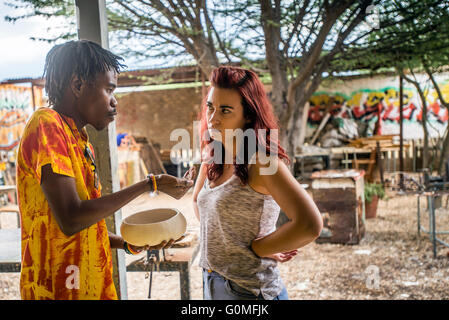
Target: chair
(370,162)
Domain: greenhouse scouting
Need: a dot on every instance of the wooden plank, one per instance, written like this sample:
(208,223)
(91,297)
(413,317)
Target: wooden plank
(10,208)
(7,188)
(150,156)
(323,122)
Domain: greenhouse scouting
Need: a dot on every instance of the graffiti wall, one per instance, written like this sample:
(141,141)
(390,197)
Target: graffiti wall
(16,106)
(366,100)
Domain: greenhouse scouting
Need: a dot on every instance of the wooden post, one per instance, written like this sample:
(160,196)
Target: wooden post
(92,25)
(33,96)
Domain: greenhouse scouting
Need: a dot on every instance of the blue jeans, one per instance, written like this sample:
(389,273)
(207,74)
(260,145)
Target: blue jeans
(216,287)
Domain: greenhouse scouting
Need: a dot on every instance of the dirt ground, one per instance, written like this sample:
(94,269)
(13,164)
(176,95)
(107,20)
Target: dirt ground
(391,262)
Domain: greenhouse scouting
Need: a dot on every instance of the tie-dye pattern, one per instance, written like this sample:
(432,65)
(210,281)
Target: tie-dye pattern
(50,259)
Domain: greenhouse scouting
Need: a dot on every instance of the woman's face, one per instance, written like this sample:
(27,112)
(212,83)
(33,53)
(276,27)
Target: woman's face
(224,111)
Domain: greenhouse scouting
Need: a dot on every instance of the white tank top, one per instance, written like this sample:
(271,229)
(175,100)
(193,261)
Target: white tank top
(231,216)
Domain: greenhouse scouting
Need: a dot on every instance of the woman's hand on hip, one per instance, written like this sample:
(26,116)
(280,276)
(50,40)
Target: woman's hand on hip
(283,256)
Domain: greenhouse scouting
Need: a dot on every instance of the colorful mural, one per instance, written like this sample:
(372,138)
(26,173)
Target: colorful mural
(15,108)
(367,105)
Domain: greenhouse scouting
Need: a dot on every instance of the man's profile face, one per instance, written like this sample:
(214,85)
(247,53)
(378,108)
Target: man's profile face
(97,104)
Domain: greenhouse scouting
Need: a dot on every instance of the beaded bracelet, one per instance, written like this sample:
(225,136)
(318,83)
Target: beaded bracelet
(128,249)
(152,178)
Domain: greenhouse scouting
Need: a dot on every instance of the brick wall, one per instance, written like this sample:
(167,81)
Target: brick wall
(155,114)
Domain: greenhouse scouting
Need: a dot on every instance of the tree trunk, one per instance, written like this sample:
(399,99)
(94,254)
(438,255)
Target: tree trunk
(444,153)
(445,147)
(425,157)
(424,114)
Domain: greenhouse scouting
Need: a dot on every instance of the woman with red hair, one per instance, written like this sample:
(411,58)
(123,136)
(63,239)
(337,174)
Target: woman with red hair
(242,183)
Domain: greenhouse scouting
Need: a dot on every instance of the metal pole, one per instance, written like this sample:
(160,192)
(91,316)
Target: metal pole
(432,220)
(92,25)
(419,219)
(401,134)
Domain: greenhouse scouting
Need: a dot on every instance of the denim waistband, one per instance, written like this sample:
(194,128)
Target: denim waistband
(213,273)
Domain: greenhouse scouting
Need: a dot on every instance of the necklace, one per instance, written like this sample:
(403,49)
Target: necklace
(87,152)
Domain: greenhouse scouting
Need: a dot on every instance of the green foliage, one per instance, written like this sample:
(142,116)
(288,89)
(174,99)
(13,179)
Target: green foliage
(420,35)
(374,189)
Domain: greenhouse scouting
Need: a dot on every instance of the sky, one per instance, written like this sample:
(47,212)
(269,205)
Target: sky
(21,57)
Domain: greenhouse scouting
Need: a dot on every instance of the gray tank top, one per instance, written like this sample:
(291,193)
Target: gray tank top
(231,216)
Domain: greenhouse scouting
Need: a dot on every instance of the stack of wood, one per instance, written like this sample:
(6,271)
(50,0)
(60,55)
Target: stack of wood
(150,159)
(165,155)
(385,141)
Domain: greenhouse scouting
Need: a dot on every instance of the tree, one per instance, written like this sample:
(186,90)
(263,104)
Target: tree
(419,45)
(298,42)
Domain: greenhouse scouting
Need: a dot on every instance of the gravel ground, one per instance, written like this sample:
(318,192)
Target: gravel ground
(389,263)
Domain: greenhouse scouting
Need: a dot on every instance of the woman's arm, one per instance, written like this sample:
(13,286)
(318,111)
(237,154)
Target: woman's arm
(306,222)
(196,190)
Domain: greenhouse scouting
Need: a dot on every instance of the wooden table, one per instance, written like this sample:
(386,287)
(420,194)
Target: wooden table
(178,258)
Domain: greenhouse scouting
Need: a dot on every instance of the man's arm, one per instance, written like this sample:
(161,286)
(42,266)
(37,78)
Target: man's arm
(74,214)
(116,241)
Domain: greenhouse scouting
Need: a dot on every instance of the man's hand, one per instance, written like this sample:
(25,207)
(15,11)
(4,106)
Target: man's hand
(176,187)
(162,245)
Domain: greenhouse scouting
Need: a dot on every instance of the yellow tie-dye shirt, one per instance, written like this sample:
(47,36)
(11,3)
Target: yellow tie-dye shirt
(55,266)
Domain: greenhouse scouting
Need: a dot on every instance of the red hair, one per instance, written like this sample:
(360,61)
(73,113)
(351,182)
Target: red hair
(256,107)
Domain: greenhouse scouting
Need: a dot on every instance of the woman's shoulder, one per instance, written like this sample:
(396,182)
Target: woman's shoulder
(259,167)
(263,162)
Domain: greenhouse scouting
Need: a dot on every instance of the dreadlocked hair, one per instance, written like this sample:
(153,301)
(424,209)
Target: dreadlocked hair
(84,59)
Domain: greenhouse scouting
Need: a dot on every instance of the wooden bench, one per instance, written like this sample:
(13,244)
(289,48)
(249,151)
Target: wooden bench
(10,239)
(10,250)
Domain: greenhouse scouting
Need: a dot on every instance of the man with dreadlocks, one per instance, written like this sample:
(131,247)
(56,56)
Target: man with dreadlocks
(66,247)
